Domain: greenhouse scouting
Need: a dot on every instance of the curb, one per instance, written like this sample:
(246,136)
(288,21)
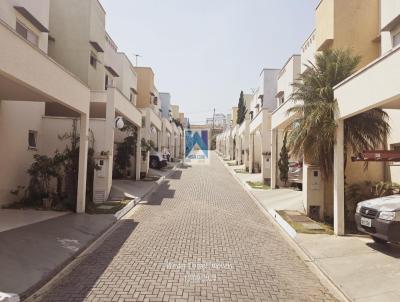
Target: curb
(125,210)
(7,297)
(130,208)
(287,234)
(282,222)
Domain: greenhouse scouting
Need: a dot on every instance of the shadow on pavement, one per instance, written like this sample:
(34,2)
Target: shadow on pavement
(81,280)
(388,249)
(175,175)
(156,198)
(184,166)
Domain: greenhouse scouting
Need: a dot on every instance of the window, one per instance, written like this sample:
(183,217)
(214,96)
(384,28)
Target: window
(106,82)
(27,34)
(93,60)
(32,139)
(396,39)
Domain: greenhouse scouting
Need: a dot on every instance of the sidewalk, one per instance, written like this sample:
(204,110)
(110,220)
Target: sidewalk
(37,245)
(32,254)
(280,199)
(361,269)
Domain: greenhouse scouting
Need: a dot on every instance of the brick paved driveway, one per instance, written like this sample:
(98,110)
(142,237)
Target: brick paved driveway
(199,238)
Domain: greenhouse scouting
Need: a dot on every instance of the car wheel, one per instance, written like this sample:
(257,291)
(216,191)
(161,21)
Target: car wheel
(379,240)
(154,163)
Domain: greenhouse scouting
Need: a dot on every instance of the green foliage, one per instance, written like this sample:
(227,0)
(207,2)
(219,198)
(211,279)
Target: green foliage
(63,168)
(241,114)
(313,131)
(125,150)
(283,162)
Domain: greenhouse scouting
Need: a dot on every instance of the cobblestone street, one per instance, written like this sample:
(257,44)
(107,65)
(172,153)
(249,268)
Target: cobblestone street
(198,238)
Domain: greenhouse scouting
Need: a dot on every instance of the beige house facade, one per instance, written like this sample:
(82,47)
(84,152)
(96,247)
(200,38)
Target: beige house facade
(261,107)
(88,51)
(376,85)
(31,81)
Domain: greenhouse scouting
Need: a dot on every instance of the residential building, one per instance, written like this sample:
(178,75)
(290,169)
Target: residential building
(88,51)
(30,81)
(376,85)
(218,121)
(261,107)
(280,120)
(175,111)
(241,139)
(149,104)
(166,107)
(353,25)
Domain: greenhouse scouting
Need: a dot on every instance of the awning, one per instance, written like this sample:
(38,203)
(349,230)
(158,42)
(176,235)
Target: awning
(377,156)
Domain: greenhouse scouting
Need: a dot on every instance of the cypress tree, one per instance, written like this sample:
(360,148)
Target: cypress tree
(241,114)
(283,162)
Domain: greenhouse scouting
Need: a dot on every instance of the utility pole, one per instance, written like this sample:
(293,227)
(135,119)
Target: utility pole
(213,125)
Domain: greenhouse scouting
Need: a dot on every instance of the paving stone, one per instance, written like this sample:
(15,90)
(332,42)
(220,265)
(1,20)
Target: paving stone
(200,237)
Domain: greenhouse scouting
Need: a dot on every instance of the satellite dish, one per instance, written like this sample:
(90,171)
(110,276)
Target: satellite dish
(119,122)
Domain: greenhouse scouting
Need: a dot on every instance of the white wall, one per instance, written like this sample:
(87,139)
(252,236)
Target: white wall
(15,157)
(308,51)
(39,9)
(288,75)
(267,88)
(165,99)
(127,75)
(390,9)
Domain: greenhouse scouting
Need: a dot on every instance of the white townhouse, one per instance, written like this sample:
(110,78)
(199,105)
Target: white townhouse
(32,84)
(261,107)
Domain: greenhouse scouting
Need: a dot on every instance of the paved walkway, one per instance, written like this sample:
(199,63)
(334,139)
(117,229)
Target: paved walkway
(198,238)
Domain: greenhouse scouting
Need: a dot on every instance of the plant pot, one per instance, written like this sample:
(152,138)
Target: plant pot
(47,203)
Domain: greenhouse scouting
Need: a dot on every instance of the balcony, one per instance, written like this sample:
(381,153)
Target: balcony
(28,74)
(124,107)
(280,117)
(376,85)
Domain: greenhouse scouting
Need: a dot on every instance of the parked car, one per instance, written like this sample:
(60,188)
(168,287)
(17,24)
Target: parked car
(295,174)
(380,218)
(157,161)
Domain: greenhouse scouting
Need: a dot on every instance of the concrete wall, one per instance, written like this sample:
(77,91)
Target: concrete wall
(287,76)
(267,87)
(72,48)
(39,9)
(175,111)
(165,99)
(127,80)
(308,51)
(389,11)
(16,157)
(145,85)
(354,25)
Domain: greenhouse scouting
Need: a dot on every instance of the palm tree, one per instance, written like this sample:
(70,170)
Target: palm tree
(313,131)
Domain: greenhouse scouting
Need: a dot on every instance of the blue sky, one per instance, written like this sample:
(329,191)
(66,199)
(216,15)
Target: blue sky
(205,52)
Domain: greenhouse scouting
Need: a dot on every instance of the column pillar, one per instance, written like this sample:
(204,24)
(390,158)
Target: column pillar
(138,153)
(83,156)
(338,179)
(274,157)
(109,139)
(251,153)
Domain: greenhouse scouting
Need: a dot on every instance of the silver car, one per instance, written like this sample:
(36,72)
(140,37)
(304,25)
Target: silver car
(295,174)
(380,218)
